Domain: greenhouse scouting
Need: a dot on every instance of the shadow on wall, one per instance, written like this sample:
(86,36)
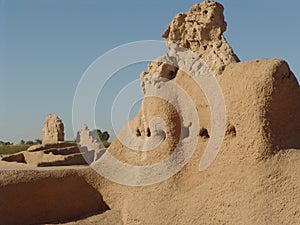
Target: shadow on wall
(50,200)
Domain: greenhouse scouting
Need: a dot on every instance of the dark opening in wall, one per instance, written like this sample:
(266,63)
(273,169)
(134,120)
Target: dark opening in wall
(231,131)
(148,133)
(138,132)
(204,133)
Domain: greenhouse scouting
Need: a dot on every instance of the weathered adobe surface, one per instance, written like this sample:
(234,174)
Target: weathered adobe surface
(201,30)
(53,196)
(83,152)
(60,154)
(251,181)
(53,130)
(255,177)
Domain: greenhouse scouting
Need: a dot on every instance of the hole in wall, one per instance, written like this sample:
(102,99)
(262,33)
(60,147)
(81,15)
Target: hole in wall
(138,132)
(230,130)
(148,132)
(203,133)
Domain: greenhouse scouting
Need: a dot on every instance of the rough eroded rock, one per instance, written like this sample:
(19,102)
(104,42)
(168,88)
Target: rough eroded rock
(201,30)
(53,131)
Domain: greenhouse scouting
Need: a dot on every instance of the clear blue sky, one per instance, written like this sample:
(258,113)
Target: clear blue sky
(46,45)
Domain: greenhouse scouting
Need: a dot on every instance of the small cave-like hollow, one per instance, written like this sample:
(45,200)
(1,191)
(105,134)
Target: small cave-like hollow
(148,132)
(138,132)
(203,133)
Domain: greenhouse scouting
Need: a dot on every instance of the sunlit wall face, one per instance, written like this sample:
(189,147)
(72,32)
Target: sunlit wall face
(45,47)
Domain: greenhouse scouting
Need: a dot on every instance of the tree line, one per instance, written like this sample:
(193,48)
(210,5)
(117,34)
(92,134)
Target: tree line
(22,142)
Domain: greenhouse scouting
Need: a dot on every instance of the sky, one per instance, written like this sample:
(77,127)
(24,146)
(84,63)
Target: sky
(47,45)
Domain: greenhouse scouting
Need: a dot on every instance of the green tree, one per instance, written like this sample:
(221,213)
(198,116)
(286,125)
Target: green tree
(101,136)
(22,142)
(104,136)
(29,143)
(98,134)
(5,143)
(37,141)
